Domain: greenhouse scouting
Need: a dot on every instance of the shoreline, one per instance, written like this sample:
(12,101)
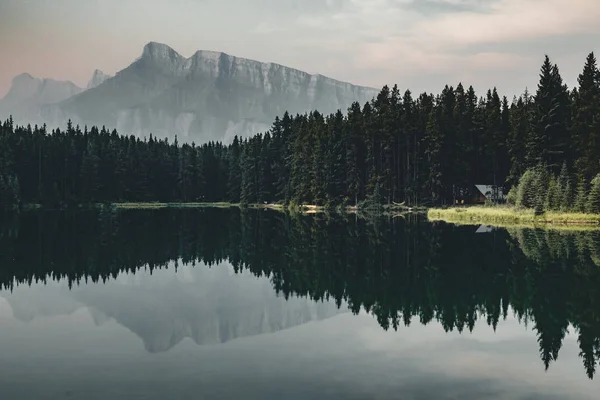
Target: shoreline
(503,216)
(302,209)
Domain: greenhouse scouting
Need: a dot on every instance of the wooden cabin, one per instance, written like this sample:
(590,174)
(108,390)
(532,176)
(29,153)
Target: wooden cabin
(481,195)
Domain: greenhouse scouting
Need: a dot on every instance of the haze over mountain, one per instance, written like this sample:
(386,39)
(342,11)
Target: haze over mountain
(208,96)
(27,94)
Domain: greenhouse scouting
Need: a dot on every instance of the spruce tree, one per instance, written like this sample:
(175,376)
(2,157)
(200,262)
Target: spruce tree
(15,190)
(526,190)
(234,179)
(4,195)
(520,111)
(593,203)
(586,119)
(581,197)
(565,188)
(540,187)
(248,192)
(354,152)
(553,198)
(433,147)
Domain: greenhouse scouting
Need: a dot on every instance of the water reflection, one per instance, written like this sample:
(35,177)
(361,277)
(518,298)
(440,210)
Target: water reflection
(204,304)
(403,272)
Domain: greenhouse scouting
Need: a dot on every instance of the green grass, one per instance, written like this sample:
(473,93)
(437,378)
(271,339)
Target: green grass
(511,216)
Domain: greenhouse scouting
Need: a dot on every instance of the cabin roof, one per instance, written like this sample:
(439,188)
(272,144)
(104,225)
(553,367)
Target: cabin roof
(488,190)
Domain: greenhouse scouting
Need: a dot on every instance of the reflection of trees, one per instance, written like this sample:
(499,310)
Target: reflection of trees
(397,269)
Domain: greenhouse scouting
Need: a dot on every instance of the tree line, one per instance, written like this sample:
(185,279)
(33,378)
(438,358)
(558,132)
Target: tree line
(400,271)
(542,190)
(429,149)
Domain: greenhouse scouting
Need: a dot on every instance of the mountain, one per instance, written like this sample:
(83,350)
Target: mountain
(97,79)
(208,96)
(27,94)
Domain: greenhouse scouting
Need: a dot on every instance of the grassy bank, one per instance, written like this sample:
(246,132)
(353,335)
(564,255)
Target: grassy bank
(502,216)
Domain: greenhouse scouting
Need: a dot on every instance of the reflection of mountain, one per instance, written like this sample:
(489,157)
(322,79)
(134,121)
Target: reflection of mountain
(208,305)
(205,304)
(399,270)
(51,300)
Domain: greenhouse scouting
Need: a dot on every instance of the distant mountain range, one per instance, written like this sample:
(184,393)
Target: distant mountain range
(208,96)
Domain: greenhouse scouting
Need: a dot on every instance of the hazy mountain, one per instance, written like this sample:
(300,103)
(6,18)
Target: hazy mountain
(97,79)
(27,94)
(208,96)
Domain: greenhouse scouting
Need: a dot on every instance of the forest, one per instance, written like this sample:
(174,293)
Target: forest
(421,150)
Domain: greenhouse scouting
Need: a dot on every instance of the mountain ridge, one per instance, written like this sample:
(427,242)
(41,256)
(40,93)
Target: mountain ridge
(98,77)
(208,96)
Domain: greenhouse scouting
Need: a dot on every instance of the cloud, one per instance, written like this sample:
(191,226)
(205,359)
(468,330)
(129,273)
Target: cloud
(461,38)
(513,20)
(420,43)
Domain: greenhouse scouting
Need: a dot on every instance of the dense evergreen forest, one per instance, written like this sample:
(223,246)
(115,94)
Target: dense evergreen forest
(424,150)
(401,271)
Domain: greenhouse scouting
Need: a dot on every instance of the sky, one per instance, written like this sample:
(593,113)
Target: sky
(420,45)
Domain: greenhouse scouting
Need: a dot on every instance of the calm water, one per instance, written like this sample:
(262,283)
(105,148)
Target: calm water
(219,304)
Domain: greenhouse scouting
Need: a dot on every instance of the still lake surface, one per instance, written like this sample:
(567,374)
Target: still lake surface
(224,304)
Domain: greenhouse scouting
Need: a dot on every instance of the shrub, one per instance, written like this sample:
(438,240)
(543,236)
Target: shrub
(525,195)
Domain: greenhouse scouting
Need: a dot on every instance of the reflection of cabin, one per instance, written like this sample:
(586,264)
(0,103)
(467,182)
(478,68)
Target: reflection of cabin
(484,229)
(481,195)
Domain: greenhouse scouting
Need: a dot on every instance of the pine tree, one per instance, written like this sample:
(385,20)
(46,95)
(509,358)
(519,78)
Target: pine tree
(15,190)
(549,137)
(553,195)
(409,121)
(354,152)
(565,188)
(234,180)
(90,173)
(265,171)
(586,119)
(248,187)
(593,203)
(433,138)
(520,112)
(526,190)
(540,187)
(4,192)
(581,198)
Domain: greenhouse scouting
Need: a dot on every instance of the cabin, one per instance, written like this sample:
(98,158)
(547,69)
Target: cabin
(489,193)
(481,195)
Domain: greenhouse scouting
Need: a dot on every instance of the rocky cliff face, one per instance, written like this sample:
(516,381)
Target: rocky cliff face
(208,96)
(98,78)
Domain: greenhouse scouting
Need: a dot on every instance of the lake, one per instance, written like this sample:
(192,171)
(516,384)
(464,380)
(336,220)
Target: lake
(257,304)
